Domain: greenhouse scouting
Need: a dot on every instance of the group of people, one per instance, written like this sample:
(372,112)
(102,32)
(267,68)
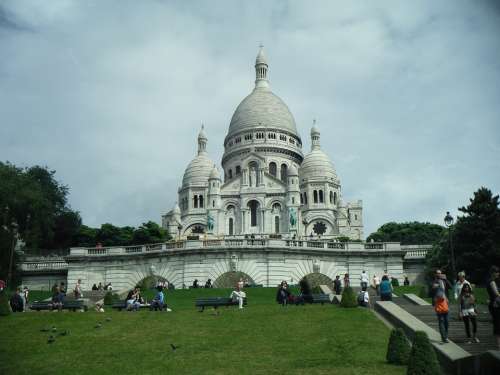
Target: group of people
(285,297)
(101,287)
(208,284)
(20,300)
(466,301)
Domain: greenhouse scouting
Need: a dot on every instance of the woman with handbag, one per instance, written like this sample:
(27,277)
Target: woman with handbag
(494,305)
(467,311)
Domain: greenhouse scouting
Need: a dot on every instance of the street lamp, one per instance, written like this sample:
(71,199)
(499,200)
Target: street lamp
(14,239)
(448,221)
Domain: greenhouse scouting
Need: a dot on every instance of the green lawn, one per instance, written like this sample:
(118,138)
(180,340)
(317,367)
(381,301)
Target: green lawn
(263,338)
(480,293)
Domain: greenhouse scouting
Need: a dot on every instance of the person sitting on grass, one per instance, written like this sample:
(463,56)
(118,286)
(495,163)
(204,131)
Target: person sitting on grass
(237,295)
(16,301)
(363,298)
(57,300)
(283,294)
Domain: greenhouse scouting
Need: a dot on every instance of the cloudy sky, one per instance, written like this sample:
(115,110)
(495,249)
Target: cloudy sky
(111,95)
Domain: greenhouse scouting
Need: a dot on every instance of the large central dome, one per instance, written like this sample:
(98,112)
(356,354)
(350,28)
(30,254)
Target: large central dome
(262,108)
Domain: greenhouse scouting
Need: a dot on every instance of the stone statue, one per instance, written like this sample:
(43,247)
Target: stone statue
(253,177)
(210,222)
(293,217)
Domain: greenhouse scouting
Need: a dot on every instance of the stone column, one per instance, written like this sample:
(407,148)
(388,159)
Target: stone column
(261,177)
(245,177)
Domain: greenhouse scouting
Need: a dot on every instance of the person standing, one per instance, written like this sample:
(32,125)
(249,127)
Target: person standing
(16,301)
(385,289)
(26,299)
(346,280)
(364,280)
(337,285)
(363,298)
(376,284)
(78,289)
(441,309)
(406,282)
(460,284)
(468,312)
(494,304)
(283,294)
(439,283)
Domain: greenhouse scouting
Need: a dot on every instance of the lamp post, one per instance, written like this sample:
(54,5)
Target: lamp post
(448,221)
(14,240)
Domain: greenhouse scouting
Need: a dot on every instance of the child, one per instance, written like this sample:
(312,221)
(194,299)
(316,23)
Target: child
(468,312)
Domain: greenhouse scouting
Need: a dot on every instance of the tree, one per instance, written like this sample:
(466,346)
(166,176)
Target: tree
(475,238)
(149,232)
(4,303)
(407,233)
(348,298)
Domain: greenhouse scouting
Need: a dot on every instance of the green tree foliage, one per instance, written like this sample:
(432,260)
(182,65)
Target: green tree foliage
(4,303)
(398,349)
(348,298)
(475,239)
(149,232)
(423,360)
(408,233)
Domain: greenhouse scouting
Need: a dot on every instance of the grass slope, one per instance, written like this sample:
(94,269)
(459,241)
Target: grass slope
(264,338)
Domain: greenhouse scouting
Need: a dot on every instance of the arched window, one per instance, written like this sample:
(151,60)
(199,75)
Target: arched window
(301,199)
(238,170)
(276,224)
(305,197)
(231,226)
(253,212)
(195,201)
(283,172)
(201,201)
(213,203)
(315,195)
(321,196)
(335,198)
(293,200)
(230,173)
(331,197)
(272,168)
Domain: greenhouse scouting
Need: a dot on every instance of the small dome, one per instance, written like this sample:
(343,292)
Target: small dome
(177,209)
(215,173)
(314,129)
(317,166)
(292,171)
(201,134)
(198,171)
(261,57)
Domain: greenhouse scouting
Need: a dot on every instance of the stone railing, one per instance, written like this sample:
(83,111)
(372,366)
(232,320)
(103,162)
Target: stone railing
(234,243)
(43,265)
(416,252)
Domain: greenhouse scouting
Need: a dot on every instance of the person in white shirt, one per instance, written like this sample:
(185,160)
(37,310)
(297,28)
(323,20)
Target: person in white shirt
(460,283)
(376,284)
(364,280)
(364,298)
(238,295)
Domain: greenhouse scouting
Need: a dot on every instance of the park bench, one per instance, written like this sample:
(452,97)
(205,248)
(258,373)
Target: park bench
(72,305)
(215,302)
(320,298)
(122,305)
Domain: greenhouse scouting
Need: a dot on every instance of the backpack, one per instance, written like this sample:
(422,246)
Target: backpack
(361,297)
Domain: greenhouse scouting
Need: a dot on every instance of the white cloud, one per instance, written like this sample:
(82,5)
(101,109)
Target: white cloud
(111,95)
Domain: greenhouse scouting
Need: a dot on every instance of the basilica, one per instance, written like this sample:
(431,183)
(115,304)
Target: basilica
(267,186)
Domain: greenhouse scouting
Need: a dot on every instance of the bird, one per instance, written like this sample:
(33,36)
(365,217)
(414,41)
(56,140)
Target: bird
(99,325)
(51,339)
(64,333)
(108,319)
(54,329)
(174,348)
(45,330)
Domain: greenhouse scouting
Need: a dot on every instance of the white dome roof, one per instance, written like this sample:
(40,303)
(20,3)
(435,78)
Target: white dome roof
(198,170)
(292,171)
(318,166)
(215,173)
(262,109)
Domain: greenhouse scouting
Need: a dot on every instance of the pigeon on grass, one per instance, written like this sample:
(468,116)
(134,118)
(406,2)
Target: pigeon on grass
(51,339)
(64,333)
(174,348)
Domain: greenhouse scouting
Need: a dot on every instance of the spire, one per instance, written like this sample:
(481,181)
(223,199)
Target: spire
(261,69)
(202,141)
(315,145)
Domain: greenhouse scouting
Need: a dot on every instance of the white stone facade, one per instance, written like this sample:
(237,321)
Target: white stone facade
(268,187)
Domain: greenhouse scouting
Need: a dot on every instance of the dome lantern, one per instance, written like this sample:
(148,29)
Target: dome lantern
(202,140)
(315,136)
(261,68)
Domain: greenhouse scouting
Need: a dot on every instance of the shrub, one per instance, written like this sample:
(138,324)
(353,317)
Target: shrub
(111,297)
(422,293)
(423,360)
(398,349)
(394,282)
(4,304)
(348,298)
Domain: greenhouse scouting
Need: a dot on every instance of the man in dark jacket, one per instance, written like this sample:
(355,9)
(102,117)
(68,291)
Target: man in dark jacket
(16,302)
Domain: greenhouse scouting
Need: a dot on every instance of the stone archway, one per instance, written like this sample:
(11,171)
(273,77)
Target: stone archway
(230,279)
(316,279)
